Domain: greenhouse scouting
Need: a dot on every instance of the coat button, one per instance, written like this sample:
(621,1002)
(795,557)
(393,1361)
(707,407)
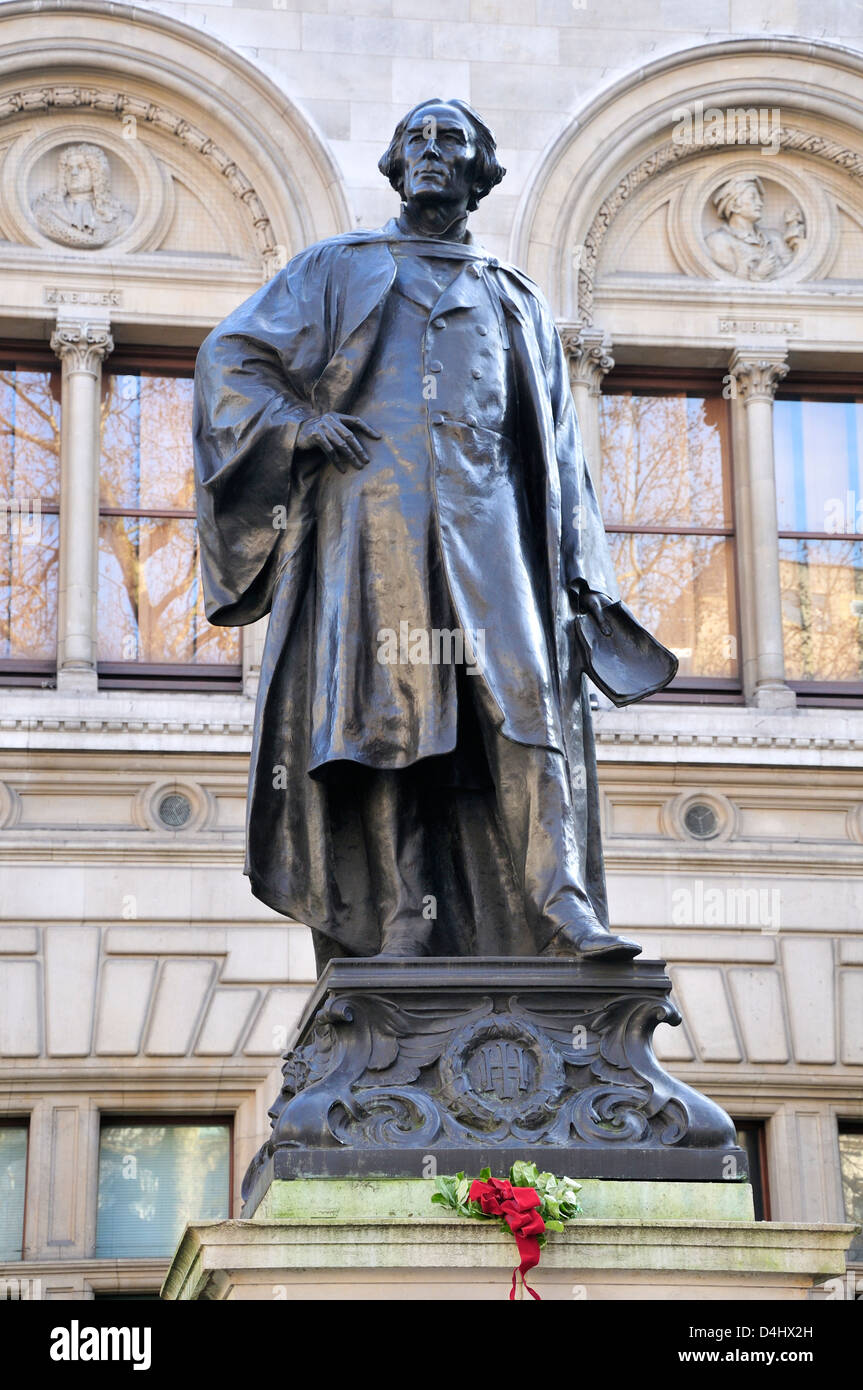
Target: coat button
(476,271)
(435,366)
(475,373)
(481,329)
(439,323)
(471,421)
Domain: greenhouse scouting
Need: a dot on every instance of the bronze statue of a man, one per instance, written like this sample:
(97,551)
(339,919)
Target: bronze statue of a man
(389,464)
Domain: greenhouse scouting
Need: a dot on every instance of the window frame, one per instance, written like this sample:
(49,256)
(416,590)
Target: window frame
(824,386)
(851,1125)
(752,1124)
(127,359)
(21,1122)
(22,671)
(163,1117)
(690,690)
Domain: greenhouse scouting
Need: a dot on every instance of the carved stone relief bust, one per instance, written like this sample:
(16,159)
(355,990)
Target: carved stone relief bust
(81,185)
(81,210)
(746,243)
(721,219)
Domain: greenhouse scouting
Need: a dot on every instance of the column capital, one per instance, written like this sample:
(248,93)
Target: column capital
(757,371)
(82,344)
(588,352)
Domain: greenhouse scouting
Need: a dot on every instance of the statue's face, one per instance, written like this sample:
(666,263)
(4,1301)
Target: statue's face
(79,175)
(439,152)
(749,202)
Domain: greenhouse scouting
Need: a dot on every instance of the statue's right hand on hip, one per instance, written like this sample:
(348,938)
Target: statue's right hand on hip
(336,437)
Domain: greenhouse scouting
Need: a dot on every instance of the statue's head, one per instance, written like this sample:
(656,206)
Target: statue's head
(442,152)
(84,169)
(743,195)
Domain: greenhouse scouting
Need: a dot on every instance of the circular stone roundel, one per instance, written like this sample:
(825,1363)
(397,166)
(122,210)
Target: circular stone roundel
(753,221)
(80,186)
(498,1068)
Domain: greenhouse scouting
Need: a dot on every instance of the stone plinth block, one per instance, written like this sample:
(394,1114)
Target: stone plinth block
(343,1200)
(410,1068)
(382,1239)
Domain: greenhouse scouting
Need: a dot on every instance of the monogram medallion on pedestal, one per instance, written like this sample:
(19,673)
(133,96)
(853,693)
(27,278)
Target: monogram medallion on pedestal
(405,1068)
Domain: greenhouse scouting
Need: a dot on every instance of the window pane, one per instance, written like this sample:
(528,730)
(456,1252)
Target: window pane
(147,442)
(29,549)
(681,588)
(749,1137)
(851,1160)
(13,1174)
(662,460)
(29,482)
(153,1178)
(151,605)
(30,435)
(818,448)
(822,609)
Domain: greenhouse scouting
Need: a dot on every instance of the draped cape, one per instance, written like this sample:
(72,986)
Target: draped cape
(298,348)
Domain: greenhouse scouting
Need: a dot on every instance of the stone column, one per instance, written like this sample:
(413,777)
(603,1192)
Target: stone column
(253,638)
(589,354)
(82,345)
(755,373)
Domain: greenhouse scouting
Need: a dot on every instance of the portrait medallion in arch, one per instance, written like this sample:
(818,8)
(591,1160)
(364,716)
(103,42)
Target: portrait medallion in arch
(81,209)
(754,222)
(77,185)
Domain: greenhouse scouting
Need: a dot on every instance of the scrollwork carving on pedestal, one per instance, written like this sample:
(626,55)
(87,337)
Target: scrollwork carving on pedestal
(388,1075)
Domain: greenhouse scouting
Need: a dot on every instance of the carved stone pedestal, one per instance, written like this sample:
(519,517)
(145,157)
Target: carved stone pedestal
(410,1068)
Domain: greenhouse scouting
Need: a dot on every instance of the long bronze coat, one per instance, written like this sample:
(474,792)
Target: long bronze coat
(301,346)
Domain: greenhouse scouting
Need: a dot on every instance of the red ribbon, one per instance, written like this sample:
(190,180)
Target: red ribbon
(517,1207)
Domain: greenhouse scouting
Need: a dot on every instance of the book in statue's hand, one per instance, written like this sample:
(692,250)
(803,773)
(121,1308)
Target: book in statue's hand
(625,662)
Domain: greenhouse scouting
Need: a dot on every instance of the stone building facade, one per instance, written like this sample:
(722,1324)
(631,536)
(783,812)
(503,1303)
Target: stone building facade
(690,198)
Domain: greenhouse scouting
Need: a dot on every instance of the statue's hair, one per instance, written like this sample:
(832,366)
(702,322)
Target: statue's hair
(97,161)
(488,170)
(726,195)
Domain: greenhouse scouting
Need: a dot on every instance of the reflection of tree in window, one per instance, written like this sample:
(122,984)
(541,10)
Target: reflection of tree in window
(665,486)
(822,608)
(150,600)
(29,539)
(818,452)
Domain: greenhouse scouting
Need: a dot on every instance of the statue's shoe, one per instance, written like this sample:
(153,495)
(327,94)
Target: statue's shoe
(402,945)
(580,942)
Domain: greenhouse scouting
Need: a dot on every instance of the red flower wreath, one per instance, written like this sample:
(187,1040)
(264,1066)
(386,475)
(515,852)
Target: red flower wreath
(528,1203)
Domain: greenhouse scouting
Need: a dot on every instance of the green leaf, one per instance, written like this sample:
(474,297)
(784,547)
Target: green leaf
(554,1225)
(445,1195)
(523,1174)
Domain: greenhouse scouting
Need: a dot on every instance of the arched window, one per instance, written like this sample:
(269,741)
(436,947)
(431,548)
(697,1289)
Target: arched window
(700,227)
(139,209)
